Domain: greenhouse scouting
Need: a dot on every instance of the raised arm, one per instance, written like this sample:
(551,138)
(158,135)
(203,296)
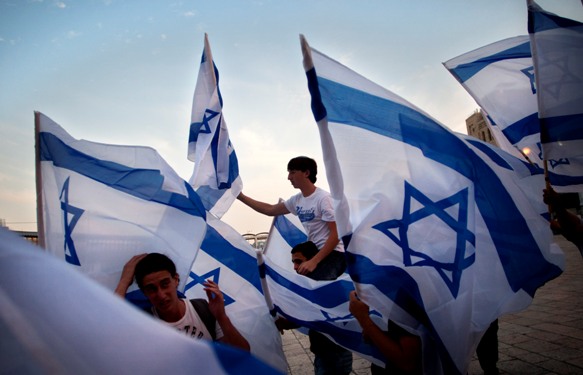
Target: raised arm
(262,207)
(127,275)
(405,353)
(216,300)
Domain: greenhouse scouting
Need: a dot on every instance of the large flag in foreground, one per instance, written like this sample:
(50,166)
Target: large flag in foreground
(216,169)
(557,51)
(61,322)
(228,259)
(439,235)
(501,79)
(101,204)
(311,304)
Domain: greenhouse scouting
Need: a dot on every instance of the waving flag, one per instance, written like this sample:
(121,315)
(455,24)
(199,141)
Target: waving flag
(318,305)
(557,50)
(501,79)
(100,204)
(227,259)
(439,235)
(216,169)
(61,322)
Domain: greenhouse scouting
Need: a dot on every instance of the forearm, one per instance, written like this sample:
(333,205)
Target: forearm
(261,207)
(231,335)
(392,350)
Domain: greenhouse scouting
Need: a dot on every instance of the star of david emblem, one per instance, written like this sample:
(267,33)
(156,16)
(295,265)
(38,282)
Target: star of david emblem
(557,65)
(529,72)
(215,275)
(554,163)
(203,127)
(71,215)
(451,216)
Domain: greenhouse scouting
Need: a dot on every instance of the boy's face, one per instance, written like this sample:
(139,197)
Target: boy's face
(160,289)
(297,177)
(297,259)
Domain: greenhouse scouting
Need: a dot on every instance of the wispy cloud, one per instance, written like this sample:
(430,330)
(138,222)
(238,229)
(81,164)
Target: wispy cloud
(60,4)
(71,34)
(189,13)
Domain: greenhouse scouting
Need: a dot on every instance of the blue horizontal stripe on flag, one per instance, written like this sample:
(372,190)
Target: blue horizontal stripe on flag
(562,128)
(525,127)
(235,259)
(466,71)
(508,228)
(234,361)
(328,296)
(564,180)
(145,184)
(290,233)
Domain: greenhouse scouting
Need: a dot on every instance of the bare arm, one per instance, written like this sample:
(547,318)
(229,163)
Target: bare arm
(404,353)
(262,207)
(231,335)
(329,246)
(127,275)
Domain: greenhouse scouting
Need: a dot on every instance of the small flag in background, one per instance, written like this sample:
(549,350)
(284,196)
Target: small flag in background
(227,258)
(439,235)
(501,78)
(557,52)
(101,204)
(216,169)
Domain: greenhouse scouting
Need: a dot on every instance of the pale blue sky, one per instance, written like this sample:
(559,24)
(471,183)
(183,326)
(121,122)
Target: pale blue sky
(124,72)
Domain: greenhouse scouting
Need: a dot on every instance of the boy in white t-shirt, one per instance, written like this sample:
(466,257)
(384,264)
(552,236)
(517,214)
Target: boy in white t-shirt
(314,208)
(156,277)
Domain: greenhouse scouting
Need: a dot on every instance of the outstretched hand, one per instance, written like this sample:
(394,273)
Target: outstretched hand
(215,298)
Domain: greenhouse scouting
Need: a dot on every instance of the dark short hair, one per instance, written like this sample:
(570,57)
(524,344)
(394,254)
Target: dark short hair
(308,249)
(304,163)
(153,262)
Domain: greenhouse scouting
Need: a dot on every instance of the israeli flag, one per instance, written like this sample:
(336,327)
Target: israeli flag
(55,320)
(216,170)
(557,51)
(440,237)
(101,204)
(318,305)
(500,77)
(227,258)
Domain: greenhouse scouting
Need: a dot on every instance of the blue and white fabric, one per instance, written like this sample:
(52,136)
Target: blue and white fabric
(101,204)
(557,51)
(501,79)
(216,170)
(439,235)
(229,260)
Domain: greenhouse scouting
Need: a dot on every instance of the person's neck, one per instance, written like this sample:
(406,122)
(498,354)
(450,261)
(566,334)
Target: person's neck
(308,190)
(174,314)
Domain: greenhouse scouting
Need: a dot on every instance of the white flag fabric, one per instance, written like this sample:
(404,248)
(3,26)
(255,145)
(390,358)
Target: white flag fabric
(227,258)
(318,305)
(557,51)
(102,204)
(439,235)
(216,169)
(501,79)
(55,320)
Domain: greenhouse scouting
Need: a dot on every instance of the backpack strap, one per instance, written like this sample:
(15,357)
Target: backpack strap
(202,309)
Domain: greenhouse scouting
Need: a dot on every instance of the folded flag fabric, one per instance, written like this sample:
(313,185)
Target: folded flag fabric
(216,170)
(100,204)
(439,235)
